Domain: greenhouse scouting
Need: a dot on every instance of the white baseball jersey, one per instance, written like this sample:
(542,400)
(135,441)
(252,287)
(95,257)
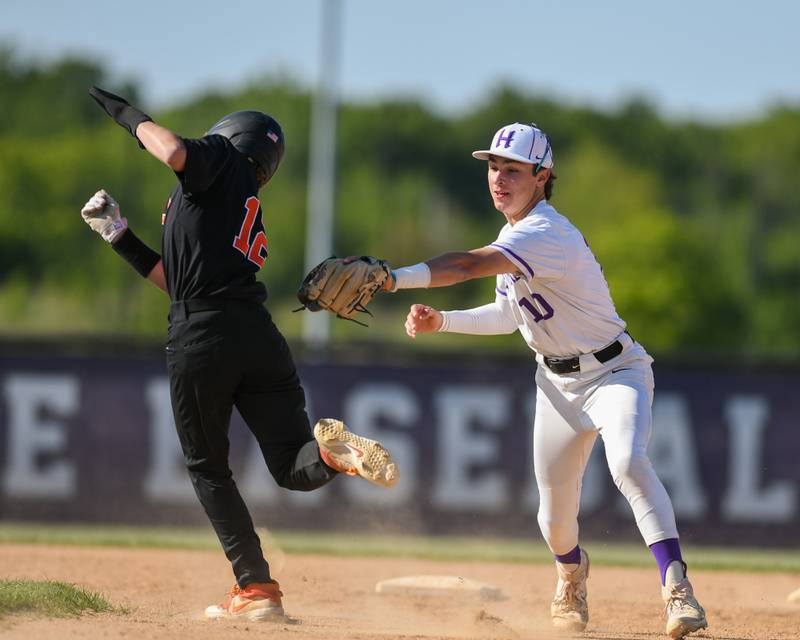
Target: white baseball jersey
(560,299)
(560,302)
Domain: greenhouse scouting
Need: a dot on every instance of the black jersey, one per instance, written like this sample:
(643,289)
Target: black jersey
(214,241)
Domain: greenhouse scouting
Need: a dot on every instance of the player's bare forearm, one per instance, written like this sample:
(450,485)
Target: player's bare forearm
(451,268)
(163,144)
(460,266)
(157,277)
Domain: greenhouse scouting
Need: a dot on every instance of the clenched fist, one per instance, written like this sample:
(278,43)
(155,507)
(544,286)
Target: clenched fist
(101,213)
(422,319)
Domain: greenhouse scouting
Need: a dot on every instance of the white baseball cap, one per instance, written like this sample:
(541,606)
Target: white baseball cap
(521,142)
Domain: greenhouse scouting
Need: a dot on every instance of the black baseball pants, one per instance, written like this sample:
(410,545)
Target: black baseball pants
(222,354)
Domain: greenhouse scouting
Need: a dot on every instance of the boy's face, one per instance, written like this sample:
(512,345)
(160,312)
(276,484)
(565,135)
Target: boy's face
(514,187)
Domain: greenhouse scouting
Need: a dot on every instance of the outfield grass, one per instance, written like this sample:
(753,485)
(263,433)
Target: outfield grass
(48,597)
(436,548)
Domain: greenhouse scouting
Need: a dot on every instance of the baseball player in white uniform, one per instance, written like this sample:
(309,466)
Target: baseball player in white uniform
(593,377)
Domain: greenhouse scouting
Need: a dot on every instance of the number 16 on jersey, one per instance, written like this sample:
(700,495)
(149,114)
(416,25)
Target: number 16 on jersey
(255,251)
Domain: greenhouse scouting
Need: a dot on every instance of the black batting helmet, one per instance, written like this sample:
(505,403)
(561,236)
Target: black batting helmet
(256,135)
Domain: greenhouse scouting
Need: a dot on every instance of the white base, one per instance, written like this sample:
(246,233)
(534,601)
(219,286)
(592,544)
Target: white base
(439,586)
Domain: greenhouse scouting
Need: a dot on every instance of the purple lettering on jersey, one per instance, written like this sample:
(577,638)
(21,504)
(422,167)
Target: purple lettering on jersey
(501,292)
(505,138)
(515,256)
(538,316)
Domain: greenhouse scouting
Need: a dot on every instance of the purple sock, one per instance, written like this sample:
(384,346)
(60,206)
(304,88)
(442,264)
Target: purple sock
(665,552)
(573,557)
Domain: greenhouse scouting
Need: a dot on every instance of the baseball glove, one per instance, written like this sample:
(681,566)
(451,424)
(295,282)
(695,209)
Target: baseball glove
(343,287)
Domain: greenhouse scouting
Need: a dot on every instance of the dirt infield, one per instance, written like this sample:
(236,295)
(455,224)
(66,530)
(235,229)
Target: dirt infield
(332,598)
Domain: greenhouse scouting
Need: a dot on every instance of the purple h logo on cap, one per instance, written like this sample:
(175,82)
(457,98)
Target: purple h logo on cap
(505,138)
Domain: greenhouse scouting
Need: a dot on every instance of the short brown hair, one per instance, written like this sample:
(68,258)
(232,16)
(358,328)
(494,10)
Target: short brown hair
(548,186)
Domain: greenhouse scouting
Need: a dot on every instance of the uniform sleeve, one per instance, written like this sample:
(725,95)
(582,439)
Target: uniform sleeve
(501,296)
(535,249)
(500,289)
(206,159)
(489,320)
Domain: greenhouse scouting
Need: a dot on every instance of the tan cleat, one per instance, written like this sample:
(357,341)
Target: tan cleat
(683,611)
(569,609)
(257,601)
(356,456)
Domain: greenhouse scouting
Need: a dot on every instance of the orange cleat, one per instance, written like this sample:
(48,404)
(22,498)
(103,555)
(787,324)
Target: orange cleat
(356,456)
(257,601)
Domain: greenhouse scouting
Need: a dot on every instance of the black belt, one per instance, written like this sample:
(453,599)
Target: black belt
(180,309)
(573,364)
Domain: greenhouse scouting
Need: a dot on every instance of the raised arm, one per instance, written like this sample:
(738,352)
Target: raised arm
(159,141)
(163,144)
(102,213)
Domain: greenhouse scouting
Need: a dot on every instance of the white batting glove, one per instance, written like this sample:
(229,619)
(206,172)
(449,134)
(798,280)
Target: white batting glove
(101,213)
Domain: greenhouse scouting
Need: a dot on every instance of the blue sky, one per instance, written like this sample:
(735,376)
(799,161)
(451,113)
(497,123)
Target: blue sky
(710,59)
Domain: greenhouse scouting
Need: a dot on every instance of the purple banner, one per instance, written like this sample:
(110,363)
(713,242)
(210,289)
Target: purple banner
(92,439)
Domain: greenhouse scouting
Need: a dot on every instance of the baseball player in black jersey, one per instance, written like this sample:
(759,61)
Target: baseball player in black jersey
(223,349)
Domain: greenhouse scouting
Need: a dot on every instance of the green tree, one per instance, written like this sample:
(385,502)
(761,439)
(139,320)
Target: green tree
(694,223)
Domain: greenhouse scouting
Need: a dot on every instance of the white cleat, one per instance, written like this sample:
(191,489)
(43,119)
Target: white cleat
(348,453)
(683,611)
(569,609)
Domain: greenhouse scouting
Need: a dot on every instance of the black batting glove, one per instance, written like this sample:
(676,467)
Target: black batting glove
(124,114)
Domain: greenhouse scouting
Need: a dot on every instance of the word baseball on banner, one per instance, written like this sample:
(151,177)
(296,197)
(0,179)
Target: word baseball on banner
(93,439)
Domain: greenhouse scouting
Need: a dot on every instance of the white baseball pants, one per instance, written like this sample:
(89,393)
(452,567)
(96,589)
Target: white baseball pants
(613,399)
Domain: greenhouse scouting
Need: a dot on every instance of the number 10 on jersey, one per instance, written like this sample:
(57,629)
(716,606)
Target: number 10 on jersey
(538,307)
(255,251)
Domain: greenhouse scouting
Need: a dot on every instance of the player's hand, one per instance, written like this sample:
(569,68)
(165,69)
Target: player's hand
(390,282)
(123,113)
(101,213)
(422,319)
(387,286)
